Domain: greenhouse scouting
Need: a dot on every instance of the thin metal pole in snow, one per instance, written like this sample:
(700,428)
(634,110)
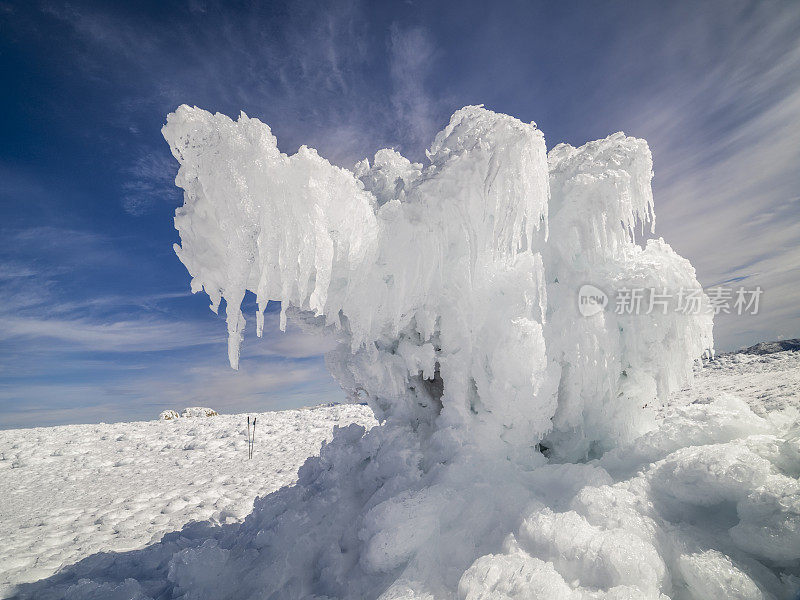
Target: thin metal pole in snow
(248,437)
(253,445)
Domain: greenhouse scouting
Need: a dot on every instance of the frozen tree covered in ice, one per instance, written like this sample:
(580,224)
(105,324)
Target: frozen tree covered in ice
(453,291)
(453,288)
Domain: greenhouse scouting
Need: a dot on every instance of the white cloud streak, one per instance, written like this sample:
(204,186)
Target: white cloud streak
(141,335)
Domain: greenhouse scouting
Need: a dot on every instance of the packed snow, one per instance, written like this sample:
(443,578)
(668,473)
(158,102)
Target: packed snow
(524,450)
(72,491)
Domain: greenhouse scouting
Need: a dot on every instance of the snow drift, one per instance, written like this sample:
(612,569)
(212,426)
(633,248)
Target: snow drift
(518,454)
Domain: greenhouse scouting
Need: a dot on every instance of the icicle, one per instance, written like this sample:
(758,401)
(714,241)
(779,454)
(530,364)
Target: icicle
(260,320)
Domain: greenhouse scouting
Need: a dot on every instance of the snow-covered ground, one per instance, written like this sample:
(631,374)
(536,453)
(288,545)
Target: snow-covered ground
(768,382)
(71,491)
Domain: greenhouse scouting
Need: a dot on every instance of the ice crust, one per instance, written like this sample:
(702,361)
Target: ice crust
(452,289)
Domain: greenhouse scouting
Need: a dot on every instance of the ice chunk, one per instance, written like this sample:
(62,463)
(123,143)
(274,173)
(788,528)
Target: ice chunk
(514,574)
(390,175)
(711,575)
(596,557)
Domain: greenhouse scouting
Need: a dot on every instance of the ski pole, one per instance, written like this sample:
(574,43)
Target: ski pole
(254,438)
(248,437)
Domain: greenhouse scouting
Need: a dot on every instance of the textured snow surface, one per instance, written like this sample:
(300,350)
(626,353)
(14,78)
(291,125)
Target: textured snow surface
(706,506)
(768,383)
(72,491)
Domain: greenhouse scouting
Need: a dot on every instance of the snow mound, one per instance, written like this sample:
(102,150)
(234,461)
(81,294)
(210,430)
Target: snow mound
(453,292)
(188,413)
(198,411)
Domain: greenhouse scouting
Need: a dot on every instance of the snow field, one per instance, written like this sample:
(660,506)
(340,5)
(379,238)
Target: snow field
(768,383)
(706,506)
(69,492)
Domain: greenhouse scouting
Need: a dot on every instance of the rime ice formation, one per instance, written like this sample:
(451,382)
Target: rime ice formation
(453,291)
(453,287)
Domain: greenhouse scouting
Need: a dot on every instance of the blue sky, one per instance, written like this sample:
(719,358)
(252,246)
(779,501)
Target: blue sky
(96,319)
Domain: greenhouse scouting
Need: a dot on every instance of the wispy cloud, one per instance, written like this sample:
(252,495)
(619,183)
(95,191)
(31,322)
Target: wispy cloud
(168,364)
(126,397)
(728,180)
(119,356)
(303,68)
(141,335)
(411,58)
(15,270)
(151,181)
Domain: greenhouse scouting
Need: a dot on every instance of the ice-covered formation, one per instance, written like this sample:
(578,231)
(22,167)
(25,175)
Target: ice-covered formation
(169,415)
(453,290)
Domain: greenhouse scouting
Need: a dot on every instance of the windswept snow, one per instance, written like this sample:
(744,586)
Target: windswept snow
(772,347)
(768,383)
(69,492)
